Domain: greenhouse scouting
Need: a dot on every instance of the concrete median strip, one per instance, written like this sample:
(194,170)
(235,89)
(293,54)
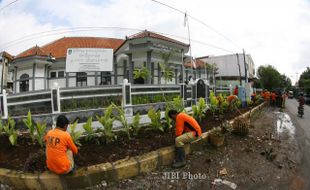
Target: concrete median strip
(92,175)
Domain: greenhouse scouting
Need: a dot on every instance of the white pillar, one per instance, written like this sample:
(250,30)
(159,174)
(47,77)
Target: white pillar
(55,98)
(126,93)
(5,105)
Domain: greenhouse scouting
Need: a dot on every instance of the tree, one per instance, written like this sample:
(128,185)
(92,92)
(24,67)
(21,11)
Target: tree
(140,75)
(304,80)
(270,78)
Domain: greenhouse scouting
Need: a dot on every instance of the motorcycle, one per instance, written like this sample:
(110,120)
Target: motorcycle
(300,111)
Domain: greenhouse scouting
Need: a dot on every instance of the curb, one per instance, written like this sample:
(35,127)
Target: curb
(92,175)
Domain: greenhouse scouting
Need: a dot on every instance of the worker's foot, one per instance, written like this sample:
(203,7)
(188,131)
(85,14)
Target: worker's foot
(179,164)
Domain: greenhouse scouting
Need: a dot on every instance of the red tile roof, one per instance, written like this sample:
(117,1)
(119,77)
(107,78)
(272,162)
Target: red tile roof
(199,63)
(36,50)
(7,55)
(58,48)
(147,33)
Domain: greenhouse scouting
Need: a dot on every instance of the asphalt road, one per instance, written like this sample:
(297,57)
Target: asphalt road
(303,138)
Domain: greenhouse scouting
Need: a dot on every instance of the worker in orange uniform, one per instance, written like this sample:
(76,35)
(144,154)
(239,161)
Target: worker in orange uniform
(267,97)
(187,130)
(60,148)
(273,98)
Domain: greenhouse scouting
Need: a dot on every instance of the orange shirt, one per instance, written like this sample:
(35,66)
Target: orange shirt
(267,95)
(57,144)
(231,98)
(273,96)
(180,126)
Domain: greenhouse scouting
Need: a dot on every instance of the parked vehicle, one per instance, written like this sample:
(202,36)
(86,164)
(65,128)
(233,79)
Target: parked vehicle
(290,94)
(307,99)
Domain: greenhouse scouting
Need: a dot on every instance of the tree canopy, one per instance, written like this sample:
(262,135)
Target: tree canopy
(270,78)
(304,80)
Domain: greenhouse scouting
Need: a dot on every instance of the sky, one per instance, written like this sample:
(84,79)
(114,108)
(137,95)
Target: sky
(274,32)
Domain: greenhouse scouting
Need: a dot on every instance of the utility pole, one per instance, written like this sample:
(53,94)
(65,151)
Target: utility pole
(240,80)
(245,68)
(190,46)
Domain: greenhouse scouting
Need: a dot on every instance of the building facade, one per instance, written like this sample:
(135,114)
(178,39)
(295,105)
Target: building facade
(5,79)
(40,68)
(230,69)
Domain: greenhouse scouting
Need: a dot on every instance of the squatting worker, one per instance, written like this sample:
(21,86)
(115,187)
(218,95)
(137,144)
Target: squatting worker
(186,130)
(59,148)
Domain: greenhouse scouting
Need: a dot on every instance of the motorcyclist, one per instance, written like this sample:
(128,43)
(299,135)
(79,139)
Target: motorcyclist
(301,101)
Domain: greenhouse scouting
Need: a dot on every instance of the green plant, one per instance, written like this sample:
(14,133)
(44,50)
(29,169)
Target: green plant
(107,122)
(40,131)
(199,110)
(30,125)
(9,129)
(155,119)
(89,129)
(249,102)
(217,131)
(122,118)
(76,135)
(135,125)
(140,73)
(177,104)
(1,126)
(166,66)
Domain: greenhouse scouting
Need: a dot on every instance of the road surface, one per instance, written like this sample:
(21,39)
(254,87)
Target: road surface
(303,138)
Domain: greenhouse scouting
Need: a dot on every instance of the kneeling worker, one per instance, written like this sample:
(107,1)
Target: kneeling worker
(186,130)
(59,148)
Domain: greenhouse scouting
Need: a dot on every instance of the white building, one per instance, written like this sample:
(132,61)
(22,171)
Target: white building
(38,68)
(5,79)
(231,68)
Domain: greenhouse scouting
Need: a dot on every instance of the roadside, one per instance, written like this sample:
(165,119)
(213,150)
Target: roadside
(239,161)
(301,180)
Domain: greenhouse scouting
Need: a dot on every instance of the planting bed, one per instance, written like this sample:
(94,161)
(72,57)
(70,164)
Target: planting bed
(27,156)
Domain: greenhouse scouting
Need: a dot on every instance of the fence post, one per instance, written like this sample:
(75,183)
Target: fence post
(126,95)
(194,91)
(4,105)
(55,99)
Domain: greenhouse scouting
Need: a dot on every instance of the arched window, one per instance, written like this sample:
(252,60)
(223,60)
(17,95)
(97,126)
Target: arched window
(105,78)
(81,79)
(24,83)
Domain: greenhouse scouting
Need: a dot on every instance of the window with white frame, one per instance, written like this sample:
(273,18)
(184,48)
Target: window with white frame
(81,79)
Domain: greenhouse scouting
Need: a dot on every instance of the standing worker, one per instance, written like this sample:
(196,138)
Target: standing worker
(60,148)
(186,130)
(236,90)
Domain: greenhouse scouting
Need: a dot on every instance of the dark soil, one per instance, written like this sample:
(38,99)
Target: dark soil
(30,157)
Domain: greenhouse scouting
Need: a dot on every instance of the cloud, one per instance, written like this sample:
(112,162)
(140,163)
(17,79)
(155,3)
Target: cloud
(273,32)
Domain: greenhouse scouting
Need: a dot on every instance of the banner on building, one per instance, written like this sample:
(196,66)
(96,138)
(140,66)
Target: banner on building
(89,59)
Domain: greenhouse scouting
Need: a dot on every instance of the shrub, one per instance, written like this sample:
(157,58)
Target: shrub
(75,134)
(155,119)
(9,129)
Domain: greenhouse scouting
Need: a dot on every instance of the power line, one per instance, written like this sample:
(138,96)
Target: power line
(91,28)
(5,6)
(199,21)
(57,32)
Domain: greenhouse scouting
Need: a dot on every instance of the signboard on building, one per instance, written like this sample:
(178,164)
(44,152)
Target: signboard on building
(89,59)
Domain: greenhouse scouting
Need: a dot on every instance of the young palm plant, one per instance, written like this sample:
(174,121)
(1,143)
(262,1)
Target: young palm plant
(9,129)
(30,125)
(199,110)
(135,125)
(89,129)
(75,134)
(40,132)
(122,118)
(107,122)
(155,120)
